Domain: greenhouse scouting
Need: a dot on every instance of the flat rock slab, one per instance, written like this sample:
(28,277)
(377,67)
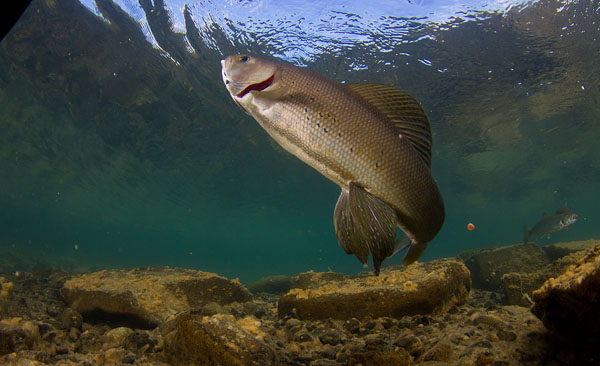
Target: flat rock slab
(145,297)
(218,340)
(570,303)
(488,266)
(422,288)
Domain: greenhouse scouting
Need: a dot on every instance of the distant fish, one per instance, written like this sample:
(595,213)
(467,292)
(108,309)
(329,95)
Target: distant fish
(551,224)
(373,140)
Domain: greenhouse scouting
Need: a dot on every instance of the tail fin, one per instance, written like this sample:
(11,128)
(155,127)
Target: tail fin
(526,234)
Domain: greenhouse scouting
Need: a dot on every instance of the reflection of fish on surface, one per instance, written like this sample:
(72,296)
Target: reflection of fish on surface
(372,140)
(562,219)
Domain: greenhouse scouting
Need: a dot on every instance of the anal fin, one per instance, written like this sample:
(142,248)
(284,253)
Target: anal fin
(364,224)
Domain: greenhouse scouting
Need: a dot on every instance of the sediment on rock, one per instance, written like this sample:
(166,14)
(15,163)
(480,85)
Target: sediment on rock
(145,297)
(422,288)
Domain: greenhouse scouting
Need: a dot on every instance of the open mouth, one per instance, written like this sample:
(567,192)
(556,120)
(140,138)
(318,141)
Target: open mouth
(258,86)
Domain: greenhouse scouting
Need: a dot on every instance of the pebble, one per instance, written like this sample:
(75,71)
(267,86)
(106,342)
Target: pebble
(117,336)
(405,322)
(488,319)
(114,355)
(508,336)
(129,359)
(411,344)
(331,338)
(484,360)
(292,322)
(328,353)
(442,351)
(342,358)
(375,339)
(70,318)
(304,337)
(352,325)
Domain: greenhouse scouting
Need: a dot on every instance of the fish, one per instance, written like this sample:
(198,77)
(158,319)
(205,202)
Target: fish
(549,224)
(372,140)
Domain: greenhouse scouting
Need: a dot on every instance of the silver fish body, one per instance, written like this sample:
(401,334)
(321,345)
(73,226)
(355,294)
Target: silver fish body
(549,224)
(371,140)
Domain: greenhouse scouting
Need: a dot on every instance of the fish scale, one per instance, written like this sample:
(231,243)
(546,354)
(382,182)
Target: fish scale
(356,155)
(374,138)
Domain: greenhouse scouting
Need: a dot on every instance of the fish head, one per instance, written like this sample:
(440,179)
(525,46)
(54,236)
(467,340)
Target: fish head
(570,218)
(245,75)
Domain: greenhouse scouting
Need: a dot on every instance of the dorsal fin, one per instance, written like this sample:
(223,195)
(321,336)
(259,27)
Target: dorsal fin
(403,111)
(563,209)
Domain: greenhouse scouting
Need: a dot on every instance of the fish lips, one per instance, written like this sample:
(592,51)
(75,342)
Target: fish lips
(257,86)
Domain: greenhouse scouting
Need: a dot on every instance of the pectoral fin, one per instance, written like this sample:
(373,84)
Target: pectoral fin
(363,224)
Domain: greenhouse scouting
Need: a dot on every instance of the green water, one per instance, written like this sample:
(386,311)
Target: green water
(114,153)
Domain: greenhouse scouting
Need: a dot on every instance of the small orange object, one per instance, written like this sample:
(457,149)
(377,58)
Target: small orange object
(470,226)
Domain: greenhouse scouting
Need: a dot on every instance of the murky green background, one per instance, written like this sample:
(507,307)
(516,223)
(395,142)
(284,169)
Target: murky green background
(115,153)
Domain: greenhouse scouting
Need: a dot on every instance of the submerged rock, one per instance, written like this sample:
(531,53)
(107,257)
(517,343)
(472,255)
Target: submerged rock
(145,297)
(570,304)
(312,279)
(559,250)
(277,284)
(488,266)
(13,338)
(518,287)
(216,340)
(422,288)
(280,284)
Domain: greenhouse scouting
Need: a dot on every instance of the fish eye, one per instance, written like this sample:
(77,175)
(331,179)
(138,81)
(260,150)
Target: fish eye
(244,58)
